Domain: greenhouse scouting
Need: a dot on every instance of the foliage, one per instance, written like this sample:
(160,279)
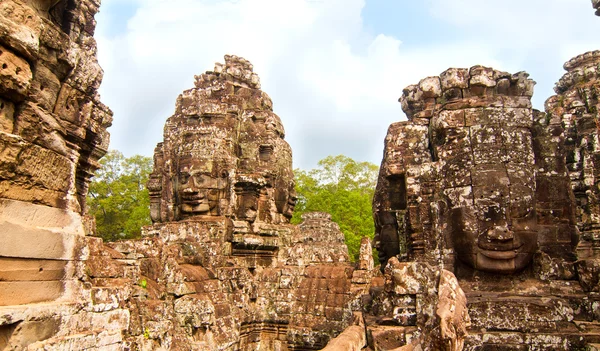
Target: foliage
(118,197)
(344,188)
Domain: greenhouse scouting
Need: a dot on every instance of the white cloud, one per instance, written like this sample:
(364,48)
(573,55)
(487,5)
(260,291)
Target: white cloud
(334,84)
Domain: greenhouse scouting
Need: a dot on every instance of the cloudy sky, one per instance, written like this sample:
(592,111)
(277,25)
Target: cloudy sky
(334,68)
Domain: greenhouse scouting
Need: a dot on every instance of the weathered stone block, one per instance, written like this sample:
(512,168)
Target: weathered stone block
(386,338)
(44,87)
(7,116)
(20,27)
(482,76)
(454,78)
(15,74)
(72,106)
(37,126)
(20,269)
(35,231)
(430,87)
(11,292)
(34,174)
(27,333)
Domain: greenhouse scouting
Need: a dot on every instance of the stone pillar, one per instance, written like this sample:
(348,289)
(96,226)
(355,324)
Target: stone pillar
(576,107)
(52,133)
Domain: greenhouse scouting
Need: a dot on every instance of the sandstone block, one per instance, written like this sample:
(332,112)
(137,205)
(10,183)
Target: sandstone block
(7,116)
(195,311)
(39,127)
(589,274)
(430,87)
(35,231)
(12,292)
(30,332)
(19,269)
(87,74)
(20,27)
(45,87)
(483,76)
(454,78)
(15,74)
(71,106)
(353,338)
(22,241)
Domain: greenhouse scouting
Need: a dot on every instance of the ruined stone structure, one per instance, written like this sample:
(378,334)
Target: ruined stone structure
(52,133)
(479,183)
(221,257)
(221,268)
(487,214)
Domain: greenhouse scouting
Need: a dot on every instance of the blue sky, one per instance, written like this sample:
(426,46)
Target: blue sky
(334,68)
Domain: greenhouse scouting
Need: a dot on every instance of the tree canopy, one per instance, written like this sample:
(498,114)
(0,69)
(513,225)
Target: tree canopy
(344,188)
(118,197)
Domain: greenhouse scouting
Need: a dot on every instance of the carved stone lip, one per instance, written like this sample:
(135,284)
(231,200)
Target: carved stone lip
(493,245)
(500,255)
(193,199)
(195,202)
(195,207)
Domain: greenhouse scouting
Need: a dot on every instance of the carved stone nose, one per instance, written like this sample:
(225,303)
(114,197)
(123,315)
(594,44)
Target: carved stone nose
(500,234)
(192,190)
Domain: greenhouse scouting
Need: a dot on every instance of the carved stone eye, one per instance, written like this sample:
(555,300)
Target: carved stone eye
(184,177)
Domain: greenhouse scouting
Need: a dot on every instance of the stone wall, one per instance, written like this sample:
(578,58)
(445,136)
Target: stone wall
(52,133)
(50,110)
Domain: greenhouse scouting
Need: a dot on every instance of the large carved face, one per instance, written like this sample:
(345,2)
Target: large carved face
(489,184)
(200,187)
(285,200)
(492,238)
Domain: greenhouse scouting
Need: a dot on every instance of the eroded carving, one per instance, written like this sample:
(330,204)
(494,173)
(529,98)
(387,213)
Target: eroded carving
(480,183)
(223,153)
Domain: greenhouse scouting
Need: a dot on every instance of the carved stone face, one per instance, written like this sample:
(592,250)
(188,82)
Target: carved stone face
(493,239)
(200,188)
(489,184)
(247,201)
(285,200)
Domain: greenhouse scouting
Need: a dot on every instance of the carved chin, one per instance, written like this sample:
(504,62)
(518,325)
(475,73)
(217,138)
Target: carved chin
(199,208)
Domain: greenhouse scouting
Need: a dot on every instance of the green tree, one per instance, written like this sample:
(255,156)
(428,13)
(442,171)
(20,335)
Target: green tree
(344,188)
(118,197)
